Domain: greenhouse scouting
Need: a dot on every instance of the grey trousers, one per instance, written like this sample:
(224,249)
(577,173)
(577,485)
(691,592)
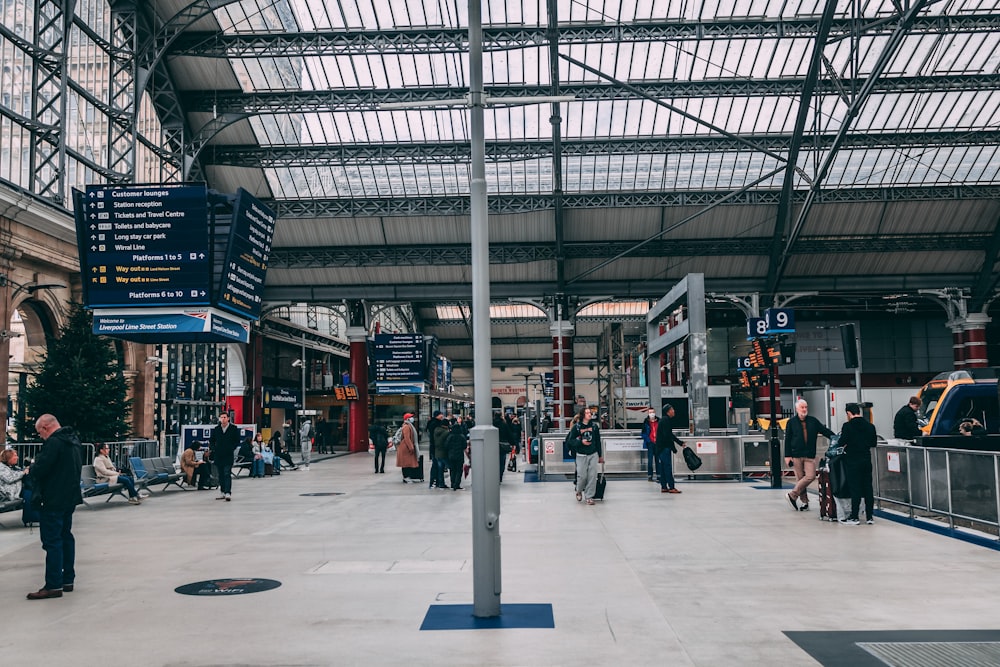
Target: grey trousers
(586,474)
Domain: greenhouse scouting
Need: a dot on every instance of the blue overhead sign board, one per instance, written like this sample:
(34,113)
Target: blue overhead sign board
(756,327)
(144,245)
(185,325)
(241,290)
(779,320)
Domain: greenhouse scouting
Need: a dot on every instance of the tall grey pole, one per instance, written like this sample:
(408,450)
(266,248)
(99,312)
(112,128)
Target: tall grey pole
(302,418)
(485,438)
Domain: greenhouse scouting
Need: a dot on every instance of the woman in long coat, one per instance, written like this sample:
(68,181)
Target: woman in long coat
(406,450)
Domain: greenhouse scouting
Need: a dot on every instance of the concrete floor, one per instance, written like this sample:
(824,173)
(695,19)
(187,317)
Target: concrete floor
(711,577)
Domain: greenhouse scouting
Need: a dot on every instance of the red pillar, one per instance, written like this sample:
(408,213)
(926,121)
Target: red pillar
(563,374)
(958,346)
(975,340)
(357,424)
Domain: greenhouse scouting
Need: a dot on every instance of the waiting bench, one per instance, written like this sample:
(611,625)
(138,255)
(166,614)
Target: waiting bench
(91,487)
(154,471)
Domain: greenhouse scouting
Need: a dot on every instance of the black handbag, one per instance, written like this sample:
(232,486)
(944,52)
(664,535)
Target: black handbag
(692,460)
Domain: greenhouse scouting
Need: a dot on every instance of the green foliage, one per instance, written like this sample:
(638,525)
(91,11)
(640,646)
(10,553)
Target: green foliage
(81,383)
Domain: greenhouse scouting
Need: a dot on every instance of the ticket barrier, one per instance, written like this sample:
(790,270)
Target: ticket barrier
(721,456)
(624,453)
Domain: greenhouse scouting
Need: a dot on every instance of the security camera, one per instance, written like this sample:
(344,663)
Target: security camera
(297,363)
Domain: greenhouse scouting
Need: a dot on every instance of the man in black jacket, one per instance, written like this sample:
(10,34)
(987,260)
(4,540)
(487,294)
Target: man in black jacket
(858,437)
(666,447)
(224,442)
(904,424)
(56,476)
(801,432)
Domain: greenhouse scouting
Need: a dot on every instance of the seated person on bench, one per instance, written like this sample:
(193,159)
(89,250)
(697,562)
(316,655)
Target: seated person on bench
(108,473)
(195,466)
(10,475)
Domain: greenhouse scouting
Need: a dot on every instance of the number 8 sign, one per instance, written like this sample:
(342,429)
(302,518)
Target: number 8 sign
(779,320)
(756,327)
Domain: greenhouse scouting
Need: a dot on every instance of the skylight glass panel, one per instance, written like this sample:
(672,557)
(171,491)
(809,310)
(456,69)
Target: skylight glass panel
(612,309)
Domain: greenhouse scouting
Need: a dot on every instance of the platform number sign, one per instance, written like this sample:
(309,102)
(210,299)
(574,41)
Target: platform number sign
(779,320)
(756,327)
(743,363)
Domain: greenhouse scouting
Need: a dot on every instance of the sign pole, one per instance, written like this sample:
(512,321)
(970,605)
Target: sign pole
(776,467)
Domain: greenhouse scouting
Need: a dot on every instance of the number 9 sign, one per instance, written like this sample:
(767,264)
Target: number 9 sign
(779,320)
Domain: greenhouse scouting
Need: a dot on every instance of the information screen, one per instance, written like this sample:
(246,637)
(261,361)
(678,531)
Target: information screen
(398,358)
(241,290)
(144,245)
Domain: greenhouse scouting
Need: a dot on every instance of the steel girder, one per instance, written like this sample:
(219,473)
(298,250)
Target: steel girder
(53,19)
(123,105)
(864,91)
(455,40)
(521,253)
(449,152)
(296,101)
(792,174)
(459,204)
(639,289)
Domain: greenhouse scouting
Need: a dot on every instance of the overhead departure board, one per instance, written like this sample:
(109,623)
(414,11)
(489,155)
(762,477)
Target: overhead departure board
(241,289)
(398,358)
(144,245)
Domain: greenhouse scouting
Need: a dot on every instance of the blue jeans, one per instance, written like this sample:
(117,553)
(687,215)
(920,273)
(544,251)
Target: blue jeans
(55,529)
(438,466)
(666,469)
(257,468)
(652,464)
(129,485)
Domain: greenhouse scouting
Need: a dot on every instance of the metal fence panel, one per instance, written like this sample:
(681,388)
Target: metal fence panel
(937,462)
(917,466)
(892,471)
(973,485)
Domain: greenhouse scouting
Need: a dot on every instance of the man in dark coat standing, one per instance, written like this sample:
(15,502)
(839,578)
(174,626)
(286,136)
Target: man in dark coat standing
(801,432)
(904,424)
(666,446)
(224,442)
(858,437)
(56,476)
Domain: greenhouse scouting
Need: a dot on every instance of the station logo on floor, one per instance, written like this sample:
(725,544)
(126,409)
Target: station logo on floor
(227,587)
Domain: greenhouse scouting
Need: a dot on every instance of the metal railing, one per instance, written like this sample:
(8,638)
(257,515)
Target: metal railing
(954,485)
(27,451)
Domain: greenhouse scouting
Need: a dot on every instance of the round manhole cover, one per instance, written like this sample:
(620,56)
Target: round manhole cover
(227,587)
(334,493)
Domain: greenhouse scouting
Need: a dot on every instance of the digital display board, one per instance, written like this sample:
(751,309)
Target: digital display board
(241,289)
(398,358)
(144,245)
(347,392)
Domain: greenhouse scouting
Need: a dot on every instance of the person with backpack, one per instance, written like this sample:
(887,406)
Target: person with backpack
(407,450)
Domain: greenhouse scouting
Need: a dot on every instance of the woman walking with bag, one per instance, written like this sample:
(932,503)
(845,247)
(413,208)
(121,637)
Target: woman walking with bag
(585,440)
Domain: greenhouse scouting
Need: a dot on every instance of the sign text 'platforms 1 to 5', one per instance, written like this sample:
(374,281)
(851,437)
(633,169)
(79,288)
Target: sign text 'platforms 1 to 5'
(144,245)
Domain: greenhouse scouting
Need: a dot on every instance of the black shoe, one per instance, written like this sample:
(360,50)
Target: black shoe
(67,588)
(45,594)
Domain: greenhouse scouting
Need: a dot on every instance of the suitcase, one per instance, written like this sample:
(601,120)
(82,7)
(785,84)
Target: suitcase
(602,485)
(415,474)
(827,504)
(269,469)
